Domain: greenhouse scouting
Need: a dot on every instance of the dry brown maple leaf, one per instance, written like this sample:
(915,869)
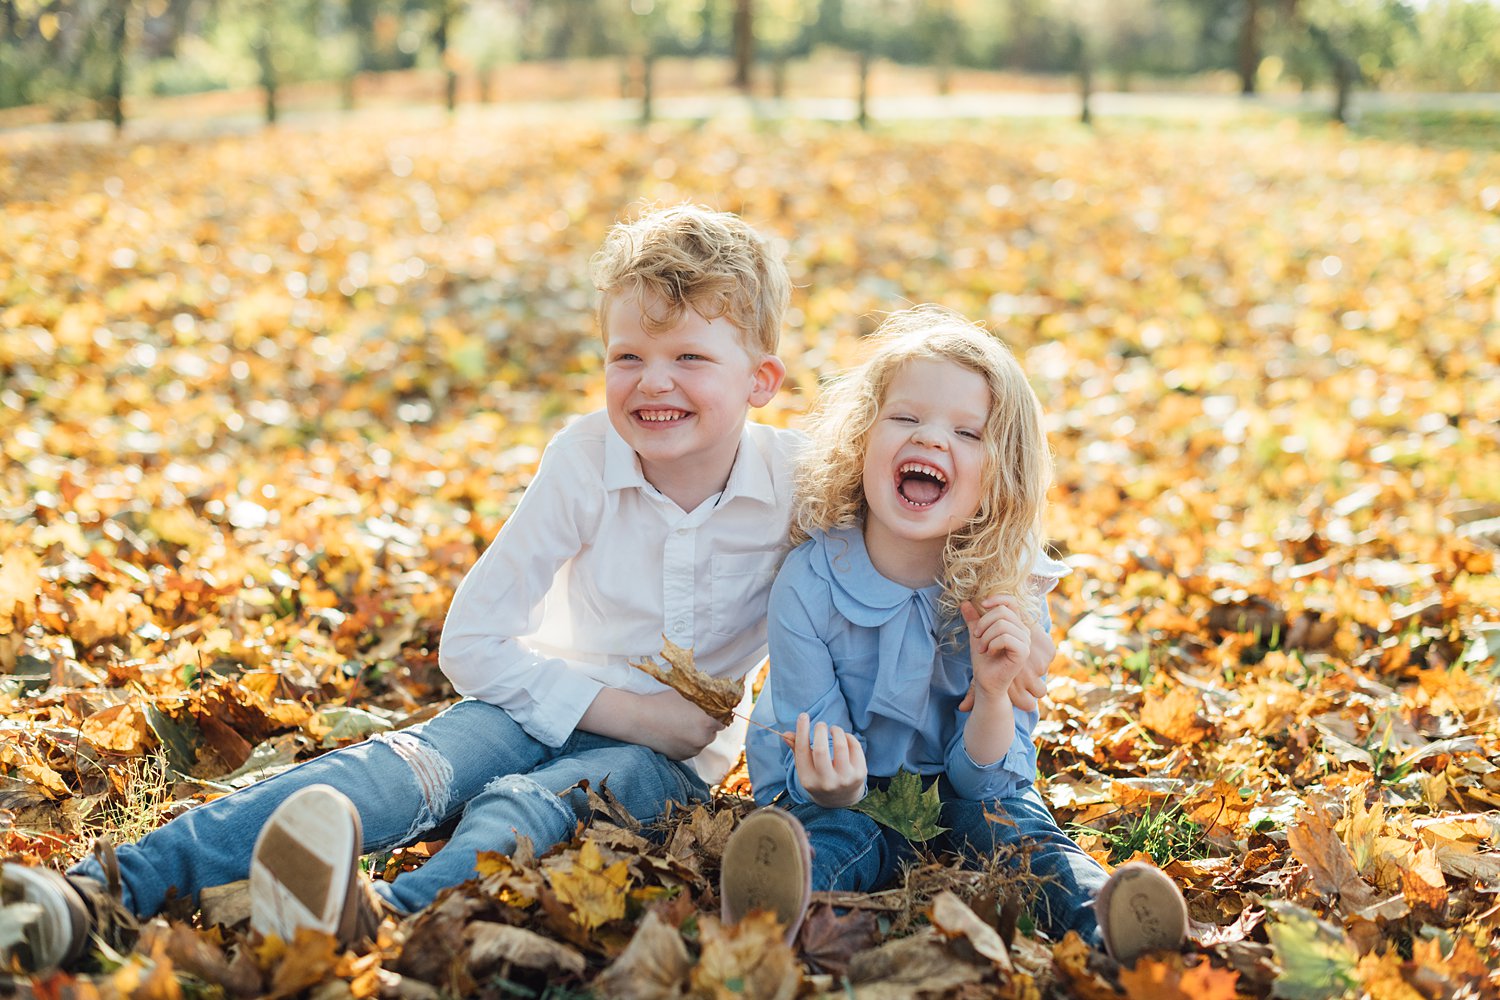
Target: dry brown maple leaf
(717,696)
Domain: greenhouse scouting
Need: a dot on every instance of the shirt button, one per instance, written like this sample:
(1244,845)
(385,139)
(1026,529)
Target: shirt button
(680,626)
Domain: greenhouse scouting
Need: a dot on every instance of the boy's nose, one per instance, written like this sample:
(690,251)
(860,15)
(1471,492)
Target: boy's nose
(655,380)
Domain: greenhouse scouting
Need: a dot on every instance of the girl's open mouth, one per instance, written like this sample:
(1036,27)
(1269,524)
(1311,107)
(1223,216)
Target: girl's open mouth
(920,484)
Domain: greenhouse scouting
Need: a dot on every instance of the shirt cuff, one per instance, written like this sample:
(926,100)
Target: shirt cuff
(1015,760)
(556,709)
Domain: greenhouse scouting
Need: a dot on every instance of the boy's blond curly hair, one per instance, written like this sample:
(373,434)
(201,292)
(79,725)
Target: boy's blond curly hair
(691,256)
(993,553)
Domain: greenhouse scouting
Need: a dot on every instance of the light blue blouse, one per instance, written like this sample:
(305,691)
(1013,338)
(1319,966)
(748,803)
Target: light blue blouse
(855,649)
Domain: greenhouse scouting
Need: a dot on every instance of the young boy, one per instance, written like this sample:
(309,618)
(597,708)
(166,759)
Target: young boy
(664,515)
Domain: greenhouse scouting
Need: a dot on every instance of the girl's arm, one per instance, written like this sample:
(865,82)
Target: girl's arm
(803,682)
(986,755)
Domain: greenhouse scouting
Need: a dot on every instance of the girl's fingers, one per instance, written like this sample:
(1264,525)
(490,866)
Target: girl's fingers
(967,705)
(1007,639)
(801,751)
(840,750)
(857,757)
(820,753)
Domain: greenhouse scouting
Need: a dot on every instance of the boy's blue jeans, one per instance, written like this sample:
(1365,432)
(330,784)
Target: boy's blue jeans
(853,853)
(472,761)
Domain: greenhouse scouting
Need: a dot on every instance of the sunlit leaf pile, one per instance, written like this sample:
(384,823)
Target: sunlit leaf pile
(264,399)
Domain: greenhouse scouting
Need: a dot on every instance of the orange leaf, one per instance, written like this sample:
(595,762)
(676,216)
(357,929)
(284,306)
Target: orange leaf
(1154,979)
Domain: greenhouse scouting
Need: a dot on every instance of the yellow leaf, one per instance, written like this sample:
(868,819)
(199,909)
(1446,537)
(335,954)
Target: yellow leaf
(749,958)
(596,893)
(1423,882)
(120,729)
(20,576)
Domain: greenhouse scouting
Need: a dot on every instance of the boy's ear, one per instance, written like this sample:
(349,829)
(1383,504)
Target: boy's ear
(767,379)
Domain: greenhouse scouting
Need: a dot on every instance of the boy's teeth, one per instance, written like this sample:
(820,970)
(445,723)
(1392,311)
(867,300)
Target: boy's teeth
(659,416)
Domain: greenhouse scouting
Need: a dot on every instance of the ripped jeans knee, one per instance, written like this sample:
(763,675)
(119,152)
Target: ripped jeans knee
(431,771)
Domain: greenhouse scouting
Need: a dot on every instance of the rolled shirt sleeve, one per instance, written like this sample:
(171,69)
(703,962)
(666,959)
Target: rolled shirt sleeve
(501,600)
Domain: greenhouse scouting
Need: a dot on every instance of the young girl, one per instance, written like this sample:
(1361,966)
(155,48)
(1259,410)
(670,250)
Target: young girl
(908,632)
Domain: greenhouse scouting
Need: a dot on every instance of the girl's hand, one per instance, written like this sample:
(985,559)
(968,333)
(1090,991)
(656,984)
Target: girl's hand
(833,776)
(1030,685)
(999,644)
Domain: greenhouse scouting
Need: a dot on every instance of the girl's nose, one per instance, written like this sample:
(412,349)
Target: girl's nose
(929,437)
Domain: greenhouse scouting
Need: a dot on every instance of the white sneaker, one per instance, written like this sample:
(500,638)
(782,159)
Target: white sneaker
(44,924)
(305,873)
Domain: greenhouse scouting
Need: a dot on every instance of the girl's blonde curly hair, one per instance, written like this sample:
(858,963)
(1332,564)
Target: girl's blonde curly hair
(993,553)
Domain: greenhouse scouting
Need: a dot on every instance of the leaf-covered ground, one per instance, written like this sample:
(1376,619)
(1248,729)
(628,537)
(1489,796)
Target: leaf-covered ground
(264,399)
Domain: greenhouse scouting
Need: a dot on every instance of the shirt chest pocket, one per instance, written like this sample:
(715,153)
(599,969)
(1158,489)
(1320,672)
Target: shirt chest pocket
(739,585)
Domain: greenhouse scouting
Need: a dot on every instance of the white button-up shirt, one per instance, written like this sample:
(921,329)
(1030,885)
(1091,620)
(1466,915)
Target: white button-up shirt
(595,566)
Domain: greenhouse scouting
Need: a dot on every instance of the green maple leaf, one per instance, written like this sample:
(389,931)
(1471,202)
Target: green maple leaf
(1316,959)
(905,807)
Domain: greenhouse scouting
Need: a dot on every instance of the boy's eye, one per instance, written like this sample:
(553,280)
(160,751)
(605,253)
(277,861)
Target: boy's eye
(626,357)
(691,357)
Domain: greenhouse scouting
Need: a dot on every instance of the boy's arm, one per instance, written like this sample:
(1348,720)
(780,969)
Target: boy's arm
(666,722)
(501,599)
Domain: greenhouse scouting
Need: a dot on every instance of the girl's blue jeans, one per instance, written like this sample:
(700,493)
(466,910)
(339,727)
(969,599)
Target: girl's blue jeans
(853,853)
(472,763)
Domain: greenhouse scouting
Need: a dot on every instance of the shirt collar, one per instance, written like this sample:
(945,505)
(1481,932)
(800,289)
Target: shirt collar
(749,477)
(860,592)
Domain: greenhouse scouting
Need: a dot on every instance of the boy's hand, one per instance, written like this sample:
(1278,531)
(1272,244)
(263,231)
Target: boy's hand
(666,722)
(833,777)
(675,727)
(999,644)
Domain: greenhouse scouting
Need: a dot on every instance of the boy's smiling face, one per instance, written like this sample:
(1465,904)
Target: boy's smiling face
(679,396)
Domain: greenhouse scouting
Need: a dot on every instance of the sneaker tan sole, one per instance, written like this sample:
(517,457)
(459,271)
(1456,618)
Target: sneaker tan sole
(767,866)
(1140,910)
(306,861)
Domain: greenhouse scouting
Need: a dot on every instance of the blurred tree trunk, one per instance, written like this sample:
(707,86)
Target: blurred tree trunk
(7,18)
(1083,64)
(744,42)
(362,23)
(1249,47)
(830,26)
(1345,70)
(708,24)
(119,43)
(648,83)
(265,57)
(863,113)
(440,33)
(946,44)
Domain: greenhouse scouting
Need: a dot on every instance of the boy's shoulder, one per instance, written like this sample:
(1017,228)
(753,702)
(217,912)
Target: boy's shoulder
(780,446)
